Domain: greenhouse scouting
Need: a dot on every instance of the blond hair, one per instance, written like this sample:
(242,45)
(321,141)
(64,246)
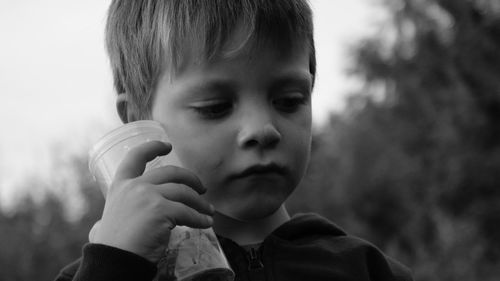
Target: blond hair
(145,37)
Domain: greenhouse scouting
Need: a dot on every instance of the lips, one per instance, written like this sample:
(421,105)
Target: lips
(262,170)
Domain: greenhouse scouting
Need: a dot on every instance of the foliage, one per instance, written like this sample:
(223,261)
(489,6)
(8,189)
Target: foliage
(39,238)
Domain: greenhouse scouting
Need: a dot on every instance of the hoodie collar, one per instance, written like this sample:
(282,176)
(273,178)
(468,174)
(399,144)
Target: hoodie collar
(306,224)
(303,225)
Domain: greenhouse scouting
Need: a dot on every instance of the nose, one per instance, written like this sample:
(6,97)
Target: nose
(258,132)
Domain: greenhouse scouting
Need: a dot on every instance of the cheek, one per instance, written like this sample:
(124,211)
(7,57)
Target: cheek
(300,143)
(203,161)
(301,154)
(200,151)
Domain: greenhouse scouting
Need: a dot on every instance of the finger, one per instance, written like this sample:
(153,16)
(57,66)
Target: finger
(174,174)
(93,231)
(135,161)
(187,196)
(184,215)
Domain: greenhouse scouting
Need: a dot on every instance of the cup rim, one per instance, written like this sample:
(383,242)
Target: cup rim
(118,135)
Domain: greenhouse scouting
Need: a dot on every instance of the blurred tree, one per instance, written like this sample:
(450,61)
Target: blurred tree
(39,238)
(412,164)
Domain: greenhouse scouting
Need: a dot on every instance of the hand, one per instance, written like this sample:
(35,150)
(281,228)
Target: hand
(141,209)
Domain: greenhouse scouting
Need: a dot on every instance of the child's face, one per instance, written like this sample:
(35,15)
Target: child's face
(227,116)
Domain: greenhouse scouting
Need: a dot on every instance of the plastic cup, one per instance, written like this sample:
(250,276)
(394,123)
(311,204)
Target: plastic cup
(107,154)
(191,254)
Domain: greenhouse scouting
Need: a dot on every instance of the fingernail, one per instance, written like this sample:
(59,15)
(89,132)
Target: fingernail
(210,220)
(212,209)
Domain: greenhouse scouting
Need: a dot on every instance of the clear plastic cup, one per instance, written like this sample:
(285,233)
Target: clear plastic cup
(191,254)
(107,154)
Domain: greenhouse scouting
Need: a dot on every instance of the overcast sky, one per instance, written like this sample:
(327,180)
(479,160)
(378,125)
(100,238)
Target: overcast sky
(56,88)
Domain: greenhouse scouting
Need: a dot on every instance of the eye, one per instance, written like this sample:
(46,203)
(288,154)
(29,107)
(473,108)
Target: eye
(212,109)
(290,102)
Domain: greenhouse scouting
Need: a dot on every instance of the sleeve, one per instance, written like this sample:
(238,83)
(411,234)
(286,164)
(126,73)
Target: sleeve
(102,262)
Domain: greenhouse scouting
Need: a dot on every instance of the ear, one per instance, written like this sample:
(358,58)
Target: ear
(123,108)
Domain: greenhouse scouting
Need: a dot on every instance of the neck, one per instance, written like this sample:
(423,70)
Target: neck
(252,231)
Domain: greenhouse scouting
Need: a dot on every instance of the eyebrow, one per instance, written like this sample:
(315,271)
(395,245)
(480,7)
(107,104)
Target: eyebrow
(302,80)
(216,86)
(298,79)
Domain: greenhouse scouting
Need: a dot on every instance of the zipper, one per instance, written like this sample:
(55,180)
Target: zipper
(254,262)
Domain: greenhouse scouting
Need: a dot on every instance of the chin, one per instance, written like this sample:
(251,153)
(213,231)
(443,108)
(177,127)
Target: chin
(252,211)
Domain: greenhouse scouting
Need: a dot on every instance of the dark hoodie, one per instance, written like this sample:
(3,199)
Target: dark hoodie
(308,247)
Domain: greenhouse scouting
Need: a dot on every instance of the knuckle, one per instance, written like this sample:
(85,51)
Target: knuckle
(141,187)
(187,196)
(156,205)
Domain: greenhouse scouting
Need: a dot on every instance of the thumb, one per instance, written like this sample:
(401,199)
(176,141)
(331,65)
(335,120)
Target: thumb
(93,231)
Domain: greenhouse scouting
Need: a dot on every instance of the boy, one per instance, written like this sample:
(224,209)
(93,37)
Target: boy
(231,83)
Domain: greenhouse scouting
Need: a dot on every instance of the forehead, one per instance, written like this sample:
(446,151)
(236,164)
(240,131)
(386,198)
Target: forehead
(241,44)
(250,67)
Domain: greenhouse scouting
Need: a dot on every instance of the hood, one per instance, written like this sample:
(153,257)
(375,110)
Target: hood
(305,225)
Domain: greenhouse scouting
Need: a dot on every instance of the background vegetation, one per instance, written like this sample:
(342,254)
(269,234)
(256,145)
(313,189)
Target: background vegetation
(412,164)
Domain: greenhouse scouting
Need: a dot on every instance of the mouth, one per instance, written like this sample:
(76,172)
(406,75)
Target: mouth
(262,170)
